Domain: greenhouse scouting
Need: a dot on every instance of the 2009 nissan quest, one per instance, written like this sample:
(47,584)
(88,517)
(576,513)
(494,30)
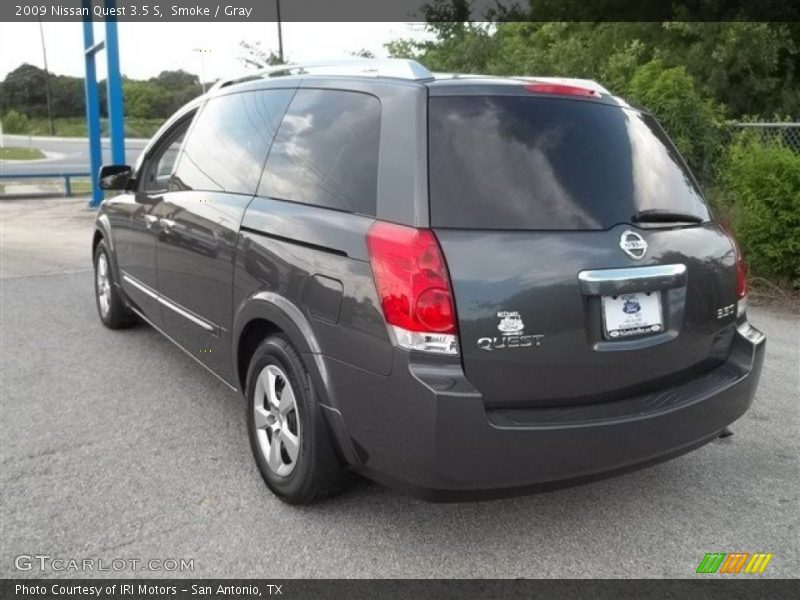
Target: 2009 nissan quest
(458,286)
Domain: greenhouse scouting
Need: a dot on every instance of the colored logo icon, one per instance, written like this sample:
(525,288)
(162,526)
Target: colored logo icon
(734,562)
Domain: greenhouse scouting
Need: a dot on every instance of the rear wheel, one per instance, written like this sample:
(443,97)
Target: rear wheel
(287,434)
(110,306)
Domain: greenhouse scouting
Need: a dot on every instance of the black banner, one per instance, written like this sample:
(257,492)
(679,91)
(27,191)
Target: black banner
(399,10)
(181,589)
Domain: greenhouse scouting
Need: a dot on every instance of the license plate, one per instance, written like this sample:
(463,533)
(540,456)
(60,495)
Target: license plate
(632,314)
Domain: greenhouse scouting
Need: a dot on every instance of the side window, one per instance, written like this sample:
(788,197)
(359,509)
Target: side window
(160,165)
(228,145)
(326,152)
(167,161)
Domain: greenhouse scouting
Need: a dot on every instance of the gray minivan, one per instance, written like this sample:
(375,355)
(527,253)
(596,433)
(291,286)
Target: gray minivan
(459,286)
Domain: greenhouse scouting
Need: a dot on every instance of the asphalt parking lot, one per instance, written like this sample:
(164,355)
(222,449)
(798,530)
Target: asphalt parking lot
(117,445)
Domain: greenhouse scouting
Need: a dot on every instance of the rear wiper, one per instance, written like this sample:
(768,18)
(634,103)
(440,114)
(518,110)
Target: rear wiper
(660,215)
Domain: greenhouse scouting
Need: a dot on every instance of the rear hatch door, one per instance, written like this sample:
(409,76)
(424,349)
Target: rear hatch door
(584,263)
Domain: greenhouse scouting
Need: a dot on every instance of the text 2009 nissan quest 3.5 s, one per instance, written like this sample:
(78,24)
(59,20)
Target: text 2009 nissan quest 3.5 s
(459,286)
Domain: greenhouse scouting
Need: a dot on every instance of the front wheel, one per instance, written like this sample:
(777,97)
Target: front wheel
(287,433)
(110,306)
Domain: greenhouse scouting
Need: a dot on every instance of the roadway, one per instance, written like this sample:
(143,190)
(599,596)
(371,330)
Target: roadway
(63,154)
(114,444)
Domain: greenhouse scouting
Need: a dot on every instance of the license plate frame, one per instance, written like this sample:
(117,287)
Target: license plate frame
(635,314)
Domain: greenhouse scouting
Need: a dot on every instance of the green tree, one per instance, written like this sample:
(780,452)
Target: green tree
(751,68)
(68,96)
(176,80)
(146,99)
(172,89)
(23,90)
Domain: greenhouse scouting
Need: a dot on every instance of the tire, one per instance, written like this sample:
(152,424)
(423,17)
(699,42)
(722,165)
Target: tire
(110,307)
(287,434)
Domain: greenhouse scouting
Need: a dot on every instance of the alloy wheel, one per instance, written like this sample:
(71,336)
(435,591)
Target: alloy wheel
(277,420)
(103,284)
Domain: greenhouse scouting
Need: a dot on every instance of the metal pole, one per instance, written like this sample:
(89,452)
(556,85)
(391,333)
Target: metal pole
(46,81)
(116,111)
(203,70)
(280,35)
(92,106)
(202,52)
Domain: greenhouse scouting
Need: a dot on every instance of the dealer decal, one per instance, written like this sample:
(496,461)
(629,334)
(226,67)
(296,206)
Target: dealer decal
(512,330)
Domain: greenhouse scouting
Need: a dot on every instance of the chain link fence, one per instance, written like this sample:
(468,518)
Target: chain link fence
(788,133)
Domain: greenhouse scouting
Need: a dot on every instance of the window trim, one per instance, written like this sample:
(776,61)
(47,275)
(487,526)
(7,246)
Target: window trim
(163,142)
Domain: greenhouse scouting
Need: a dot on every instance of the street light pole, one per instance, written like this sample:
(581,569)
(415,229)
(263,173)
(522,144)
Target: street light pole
(46,81)
(202,52)
(280,35)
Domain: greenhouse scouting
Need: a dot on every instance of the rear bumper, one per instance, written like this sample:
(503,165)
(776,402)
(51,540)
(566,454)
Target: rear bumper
(423,429)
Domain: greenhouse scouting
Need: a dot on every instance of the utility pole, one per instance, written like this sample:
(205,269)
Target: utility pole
(280,35)
(46,81)
(202,52)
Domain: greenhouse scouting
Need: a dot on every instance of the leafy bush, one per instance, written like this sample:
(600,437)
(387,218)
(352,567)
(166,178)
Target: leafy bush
(15,122)
(691,120)
(76,127)
(145,99)
(64,126)
(762,182)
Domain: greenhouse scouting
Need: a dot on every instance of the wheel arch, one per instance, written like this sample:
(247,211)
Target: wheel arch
(98,235)
(267,313)
(102,231)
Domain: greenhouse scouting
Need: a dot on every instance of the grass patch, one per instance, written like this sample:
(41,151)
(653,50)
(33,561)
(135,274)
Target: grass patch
(76,127)
(14,153)
(81,187)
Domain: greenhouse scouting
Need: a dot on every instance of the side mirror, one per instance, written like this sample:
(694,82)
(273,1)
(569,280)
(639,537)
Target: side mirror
(115,177)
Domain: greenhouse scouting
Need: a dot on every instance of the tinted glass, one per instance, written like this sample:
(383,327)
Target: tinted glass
(229,142)
(326,152)
(167,160)
(160,165)
(515,162)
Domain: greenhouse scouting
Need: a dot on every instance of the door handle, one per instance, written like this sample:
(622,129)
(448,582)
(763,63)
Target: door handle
(149,220)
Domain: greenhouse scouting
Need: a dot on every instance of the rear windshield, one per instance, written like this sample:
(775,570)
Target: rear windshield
(516,162)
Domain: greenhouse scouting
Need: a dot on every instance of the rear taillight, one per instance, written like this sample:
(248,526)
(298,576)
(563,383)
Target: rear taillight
(741,277)
(741,273)
(413,287)
(560,88)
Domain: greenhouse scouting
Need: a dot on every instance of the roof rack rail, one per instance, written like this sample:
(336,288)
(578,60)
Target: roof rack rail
(367,67)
